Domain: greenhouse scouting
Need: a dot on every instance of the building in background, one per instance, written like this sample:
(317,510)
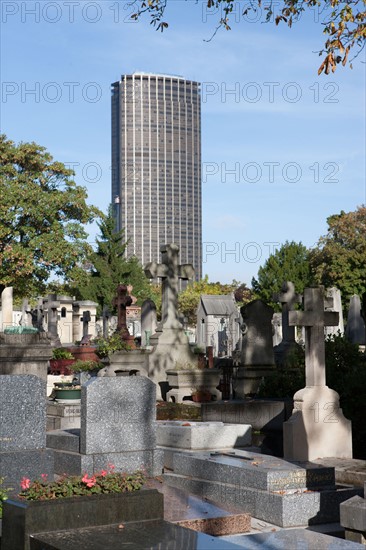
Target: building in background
(156,165)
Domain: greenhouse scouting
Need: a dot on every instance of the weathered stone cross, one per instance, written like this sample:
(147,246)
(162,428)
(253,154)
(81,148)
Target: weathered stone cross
(314,319)
(52,306)
(122,301)
(170,272)
(287,298)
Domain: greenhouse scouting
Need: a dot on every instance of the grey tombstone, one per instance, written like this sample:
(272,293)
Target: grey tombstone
(287,298)
(335,304)
(106,316)
(317,427)
(118,426)
(148,321)
(257,357)
(353,518)
(355,329)
(7,307)
(23,429)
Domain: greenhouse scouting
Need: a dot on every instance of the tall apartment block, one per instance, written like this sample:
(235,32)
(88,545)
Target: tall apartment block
(156,165)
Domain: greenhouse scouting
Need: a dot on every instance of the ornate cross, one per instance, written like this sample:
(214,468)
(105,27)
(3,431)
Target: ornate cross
(170,272)
(121,302)
(287,298)
(314,319)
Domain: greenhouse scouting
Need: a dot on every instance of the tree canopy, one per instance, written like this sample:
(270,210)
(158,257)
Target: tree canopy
(288,263)
(189,298)
(108,266)
(343,22)
(340,258)
(42,218)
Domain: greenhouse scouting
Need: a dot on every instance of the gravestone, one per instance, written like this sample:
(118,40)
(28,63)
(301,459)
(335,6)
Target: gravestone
(148,321)
(269,488)
(23,450)
(170,342)
(7,307)
(106,316)
(355,329)
(317,427)
(335,304)
(353,518)
(257,357)
(287,298)
(277,328)
(117,427)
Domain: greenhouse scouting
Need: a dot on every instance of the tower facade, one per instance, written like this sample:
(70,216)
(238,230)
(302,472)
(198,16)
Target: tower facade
(156,165)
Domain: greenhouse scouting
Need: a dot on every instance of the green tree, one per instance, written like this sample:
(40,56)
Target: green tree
(340,259)
(288,263)
(189,298)
(108,267)
(343,23)
(42,217)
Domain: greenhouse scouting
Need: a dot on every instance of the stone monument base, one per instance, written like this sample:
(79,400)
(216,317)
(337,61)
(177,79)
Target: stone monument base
(317,427)
(127,363)
(66,447)
(25,354)
(170,349)
(14,465)
(249,378)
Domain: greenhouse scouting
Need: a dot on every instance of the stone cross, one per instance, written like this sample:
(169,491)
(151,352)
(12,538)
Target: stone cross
(86,321)
(121,302)
(170,272)
(287,298)
(52,307)
(314,319)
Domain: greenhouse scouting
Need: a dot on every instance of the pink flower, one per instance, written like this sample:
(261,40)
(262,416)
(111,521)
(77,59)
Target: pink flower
(25,483)
(103,473)
(44,477)
(89,481)
(111,466)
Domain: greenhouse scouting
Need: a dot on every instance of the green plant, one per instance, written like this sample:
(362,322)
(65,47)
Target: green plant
(4,491)
(104,482)
(66,386)
(61,353)
(84,365)
(106,346)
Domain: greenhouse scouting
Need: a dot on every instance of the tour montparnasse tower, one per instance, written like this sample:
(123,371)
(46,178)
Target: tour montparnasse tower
(156,165)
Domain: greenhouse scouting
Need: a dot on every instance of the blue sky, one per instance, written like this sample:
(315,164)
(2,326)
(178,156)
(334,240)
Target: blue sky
(282,148)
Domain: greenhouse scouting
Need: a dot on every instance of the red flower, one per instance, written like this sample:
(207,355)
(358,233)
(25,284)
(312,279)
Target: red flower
(103,473)
(25,483)
(89,481)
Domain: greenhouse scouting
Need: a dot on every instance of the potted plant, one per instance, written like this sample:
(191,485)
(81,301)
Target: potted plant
(61,359)
(201,395)
(74,502)
(85,369)
(67,392)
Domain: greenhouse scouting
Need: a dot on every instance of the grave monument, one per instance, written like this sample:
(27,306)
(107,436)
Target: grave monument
(317,427)
(287,298)
(257,357)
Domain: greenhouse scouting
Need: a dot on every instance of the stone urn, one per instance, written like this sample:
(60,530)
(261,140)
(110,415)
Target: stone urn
(183,382)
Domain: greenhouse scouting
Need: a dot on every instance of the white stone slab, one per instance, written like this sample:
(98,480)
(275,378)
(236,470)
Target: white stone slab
(202,435)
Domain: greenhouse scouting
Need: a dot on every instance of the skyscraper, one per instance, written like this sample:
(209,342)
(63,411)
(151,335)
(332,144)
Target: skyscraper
(156,165)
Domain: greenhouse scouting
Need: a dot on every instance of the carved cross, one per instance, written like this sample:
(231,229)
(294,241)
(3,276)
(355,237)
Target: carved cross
(170,272)
(121,302)
(314,319)
(287,298)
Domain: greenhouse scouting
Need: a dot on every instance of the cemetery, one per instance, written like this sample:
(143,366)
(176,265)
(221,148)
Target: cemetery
(243,472)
